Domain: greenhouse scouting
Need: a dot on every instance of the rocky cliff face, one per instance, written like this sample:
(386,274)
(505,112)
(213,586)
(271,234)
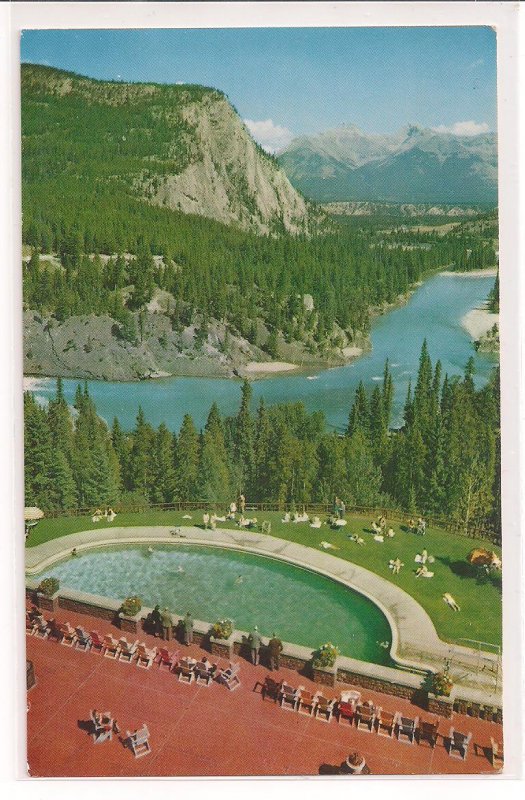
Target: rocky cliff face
(182,147)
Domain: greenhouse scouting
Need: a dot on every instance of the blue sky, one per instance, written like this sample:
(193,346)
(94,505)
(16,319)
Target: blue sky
(292,81)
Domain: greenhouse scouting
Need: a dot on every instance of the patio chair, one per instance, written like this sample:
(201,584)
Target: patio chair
(496,753)
(145,656)
(204,672)
(167,659)
(54,631)
(365,717)
(41,628)
(428,732)
(271,689)
(386,722)
(111,647)
(458,744)
(138,741)
(127,651)
(306,703)
(288,699)
(83,641)
(324,707)
(230,677)
(69,635)
(345,710)
(406,729)
(30,624)
(103,727)
(97,642)
(186,670)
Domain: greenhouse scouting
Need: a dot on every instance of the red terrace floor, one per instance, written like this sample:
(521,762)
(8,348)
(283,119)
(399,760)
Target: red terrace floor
(206,731)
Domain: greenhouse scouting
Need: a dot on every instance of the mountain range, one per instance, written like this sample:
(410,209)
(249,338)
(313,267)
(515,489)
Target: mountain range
(414,165)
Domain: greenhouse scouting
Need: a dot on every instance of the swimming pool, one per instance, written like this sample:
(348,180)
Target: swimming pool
(303,607)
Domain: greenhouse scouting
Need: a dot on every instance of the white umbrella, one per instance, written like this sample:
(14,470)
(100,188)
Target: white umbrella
(32,513)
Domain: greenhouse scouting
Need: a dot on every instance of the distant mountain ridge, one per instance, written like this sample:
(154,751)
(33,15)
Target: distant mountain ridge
(414,165)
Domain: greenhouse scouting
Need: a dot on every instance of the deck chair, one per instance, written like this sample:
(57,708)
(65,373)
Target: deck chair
(54,630)
(306,703)
(145,656)
(266,527)
(203,673)
(83,641)
(111,647)
(345,710)
(30,624)
(41,628)
(186,670)
(167,659)
(458,744)
(138,741)
(324,707)
(103,728)
(271,689)
(127,651)
(69,635)
(406,729)
(289,698)
(365,718)
(496,753)
(386,722)
(230,677)
(428,732)
(97,642)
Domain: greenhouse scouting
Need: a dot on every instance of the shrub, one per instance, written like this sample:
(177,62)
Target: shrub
(442,683)
(49,586)
(326,655)
(222,629)
(131,606)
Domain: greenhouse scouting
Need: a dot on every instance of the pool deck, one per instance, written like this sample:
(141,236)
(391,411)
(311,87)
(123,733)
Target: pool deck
(415,642)
(209,731)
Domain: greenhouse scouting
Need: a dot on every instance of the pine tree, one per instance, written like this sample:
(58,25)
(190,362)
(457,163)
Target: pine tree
(244,453)
(63,489)
(163,489)
(187,461)
(359,419)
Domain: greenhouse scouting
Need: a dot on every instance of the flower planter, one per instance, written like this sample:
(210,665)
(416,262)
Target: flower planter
(440,704)
(325,676)
(130,624)
(47,603)
(223,648)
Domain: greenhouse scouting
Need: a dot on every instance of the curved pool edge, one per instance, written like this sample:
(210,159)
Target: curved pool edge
(415,642)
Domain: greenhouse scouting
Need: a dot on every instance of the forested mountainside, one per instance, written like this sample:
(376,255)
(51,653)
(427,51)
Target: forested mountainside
(180,147)
(415,165)
(444,461)
(118,286)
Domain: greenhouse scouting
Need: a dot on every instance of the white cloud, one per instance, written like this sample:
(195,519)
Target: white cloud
(467,128)
(270,136)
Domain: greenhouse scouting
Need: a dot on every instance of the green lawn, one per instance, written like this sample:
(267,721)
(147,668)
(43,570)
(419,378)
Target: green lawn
(480,600)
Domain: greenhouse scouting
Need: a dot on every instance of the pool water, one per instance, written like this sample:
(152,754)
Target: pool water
(300,606)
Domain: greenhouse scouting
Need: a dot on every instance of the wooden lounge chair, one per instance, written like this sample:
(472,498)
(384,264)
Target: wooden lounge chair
(458,744)
(69,635)
(167,659)
(186,670)
(365,717)
(55,631)
(496,753)
(288,699)
(138,741)
(145,656)
(41,628)
(345,710)
(428,732)
(111,647)
(127,651)
(103,727)
(230,677)
(386,722)
(406,729)
(306,702)
(324,707)
(84,640)
(97,642)
(271,689)
(204,673)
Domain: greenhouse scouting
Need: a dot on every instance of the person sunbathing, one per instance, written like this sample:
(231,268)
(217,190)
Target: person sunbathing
(357,539)
(315,523)
(449,600)
(286,517)
(390,533)
(423,572)
(395,565)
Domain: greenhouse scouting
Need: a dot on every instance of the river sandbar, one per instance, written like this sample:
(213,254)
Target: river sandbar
(475,273)
(479,321)
(268,367)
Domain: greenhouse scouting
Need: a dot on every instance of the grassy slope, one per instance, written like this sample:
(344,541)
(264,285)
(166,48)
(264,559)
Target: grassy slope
(480,602)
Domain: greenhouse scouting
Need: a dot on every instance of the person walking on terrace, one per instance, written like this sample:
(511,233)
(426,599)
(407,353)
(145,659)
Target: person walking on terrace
(187,625)
(156,621)
(167,625)
(275,647)
(255,644)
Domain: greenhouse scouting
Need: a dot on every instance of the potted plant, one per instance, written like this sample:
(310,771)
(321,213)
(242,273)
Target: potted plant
(324,664)
(439,700)
(47,592)
(129,613)
(221,638)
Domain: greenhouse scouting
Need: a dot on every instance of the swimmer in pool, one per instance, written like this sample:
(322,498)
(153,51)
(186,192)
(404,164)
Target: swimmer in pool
(180,570)
(150,550)
(238,580)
